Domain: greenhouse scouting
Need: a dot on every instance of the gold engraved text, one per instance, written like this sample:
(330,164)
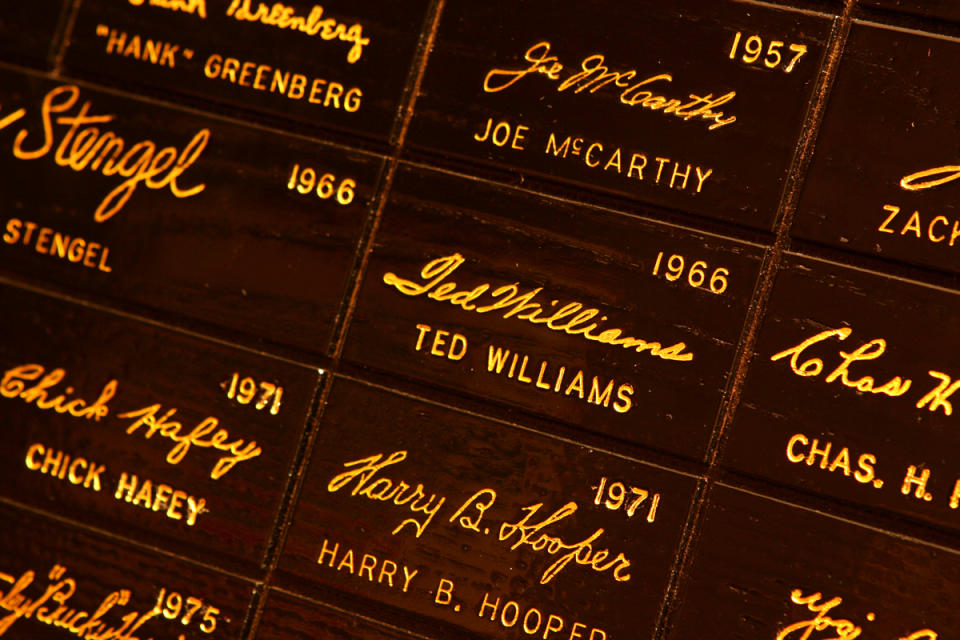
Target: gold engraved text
(202,436)
(15,385)
(825,456)
(511,614)
(396,492)
(868,351)
(560,380)
(187,6)
(50,242)
(156,496)
(595,75)
(660,170)
(530,533)
(837,628)
(106,152)
(753,48)
(570,318)
(295,86)
(283,17)
(52,609)
(938,229)
(158,52)
(55,463)
(930,178)
(379,570)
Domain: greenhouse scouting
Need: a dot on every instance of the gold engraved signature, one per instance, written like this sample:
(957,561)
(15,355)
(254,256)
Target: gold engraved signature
(14,385)
(939,175)
(202,436)
(871,350)
(531,534)
(283,17)
(187,6)
(530,531)
(398,492)
(105,152)
(595,75)
(570,318)
(51,608)
(838,628)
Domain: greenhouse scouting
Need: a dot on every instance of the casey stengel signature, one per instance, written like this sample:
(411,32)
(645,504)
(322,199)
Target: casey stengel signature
(832,628)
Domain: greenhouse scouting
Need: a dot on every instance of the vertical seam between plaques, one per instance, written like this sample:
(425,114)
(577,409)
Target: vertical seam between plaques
(756,310)
(68,18)
(291,493)
(773,257)
(365,246)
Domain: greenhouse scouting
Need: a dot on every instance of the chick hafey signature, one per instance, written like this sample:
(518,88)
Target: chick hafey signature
(33,384)
(363,478)
(833,628)
(594,75)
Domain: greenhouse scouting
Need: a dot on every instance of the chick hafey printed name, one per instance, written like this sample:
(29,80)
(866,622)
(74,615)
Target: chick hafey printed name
(47,390)
(85,146)
(538,527)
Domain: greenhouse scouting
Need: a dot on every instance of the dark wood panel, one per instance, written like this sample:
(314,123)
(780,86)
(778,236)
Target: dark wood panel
(531,260)
(659,102)
(849,393)
(186,214)
(883,179)
(341,64)
(27,30)
(479,526)
(939,9)
(765,569)
(144,432)
(57,581)
(287,617)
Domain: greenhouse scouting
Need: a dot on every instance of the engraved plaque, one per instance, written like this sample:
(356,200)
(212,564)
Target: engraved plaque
(884,176)
(146,433)
(340,64)
(850,392)
(478,526)
(57,581)
(162,209)
(612,323)
(27,29)
(694,107)
(287,617)
(766,569)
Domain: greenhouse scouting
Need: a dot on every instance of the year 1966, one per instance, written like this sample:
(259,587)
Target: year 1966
(307,180)
(697,273)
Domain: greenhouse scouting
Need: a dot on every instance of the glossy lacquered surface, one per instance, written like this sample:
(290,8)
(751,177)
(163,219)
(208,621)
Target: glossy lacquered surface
(451,319)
